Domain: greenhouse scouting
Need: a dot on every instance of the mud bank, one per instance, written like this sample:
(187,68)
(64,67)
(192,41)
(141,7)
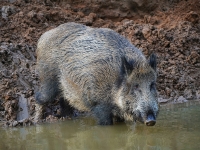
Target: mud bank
(171,29)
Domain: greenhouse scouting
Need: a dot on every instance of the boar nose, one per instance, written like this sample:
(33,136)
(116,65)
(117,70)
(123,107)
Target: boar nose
(150,121)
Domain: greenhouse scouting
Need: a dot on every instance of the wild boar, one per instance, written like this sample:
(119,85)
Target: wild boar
(97,70)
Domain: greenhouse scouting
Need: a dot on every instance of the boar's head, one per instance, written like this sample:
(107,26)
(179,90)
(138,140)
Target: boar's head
(137,95)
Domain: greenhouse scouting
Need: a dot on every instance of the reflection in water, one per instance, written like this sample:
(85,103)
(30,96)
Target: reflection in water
(177,128)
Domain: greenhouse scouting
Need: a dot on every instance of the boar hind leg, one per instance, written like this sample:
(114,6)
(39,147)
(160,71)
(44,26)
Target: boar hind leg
(47,91)
(48,88)
(103,114)
(39,113)
(46,94)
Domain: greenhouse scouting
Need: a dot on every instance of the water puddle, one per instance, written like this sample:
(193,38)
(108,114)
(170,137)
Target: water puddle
(177,128)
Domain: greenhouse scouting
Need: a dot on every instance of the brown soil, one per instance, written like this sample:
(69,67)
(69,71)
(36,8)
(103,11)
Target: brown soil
(170,28)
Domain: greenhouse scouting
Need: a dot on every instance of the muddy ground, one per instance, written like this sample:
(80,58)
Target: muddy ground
(169,28)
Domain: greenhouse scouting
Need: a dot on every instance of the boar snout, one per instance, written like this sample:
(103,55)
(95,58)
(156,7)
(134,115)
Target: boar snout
(146,117)
(151,120)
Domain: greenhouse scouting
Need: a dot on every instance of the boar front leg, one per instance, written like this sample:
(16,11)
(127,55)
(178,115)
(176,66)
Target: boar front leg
(103,114)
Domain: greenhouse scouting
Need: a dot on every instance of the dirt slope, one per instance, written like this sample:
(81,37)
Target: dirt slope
(170,28)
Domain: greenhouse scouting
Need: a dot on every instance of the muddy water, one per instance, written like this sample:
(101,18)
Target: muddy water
(178,128)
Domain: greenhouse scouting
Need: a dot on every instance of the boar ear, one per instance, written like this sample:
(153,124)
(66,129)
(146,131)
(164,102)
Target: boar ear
(127,66)
(152,61)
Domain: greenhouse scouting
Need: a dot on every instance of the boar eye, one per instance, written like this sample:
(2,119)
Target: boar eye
(136,86)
